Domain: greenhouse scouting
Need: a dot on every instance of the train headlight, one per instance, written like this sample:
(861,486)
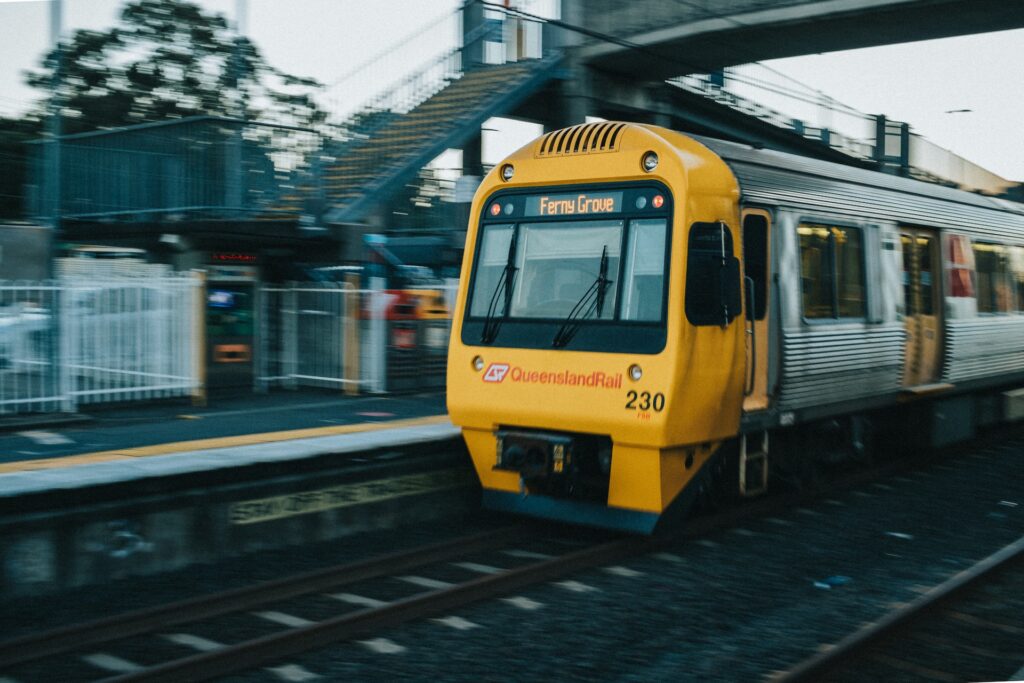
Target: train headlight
(507,171)
(478,363)
(649,161)
(635,373)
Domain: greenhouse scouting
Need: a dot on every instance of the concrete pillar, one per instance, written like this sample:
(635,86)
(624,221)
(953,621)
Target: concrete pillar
(571,102)
(472,156)
(892,145)
(472,41)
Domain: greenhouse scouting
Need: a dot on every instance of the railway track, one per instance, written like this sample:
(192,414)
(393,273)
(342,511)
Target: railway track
(17,656)
(25,658)
(967,628)
(499,561)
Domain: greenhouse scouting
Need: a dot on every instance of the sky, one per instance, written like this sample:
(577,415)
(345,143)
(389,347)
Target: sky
(327,39)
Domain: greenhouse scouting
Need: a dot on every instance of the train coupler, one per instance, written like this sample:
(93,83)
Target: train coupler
(553,463)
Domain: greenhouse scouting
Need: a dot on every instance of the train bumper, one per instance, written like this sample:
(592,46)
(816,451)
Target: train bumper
(568,477)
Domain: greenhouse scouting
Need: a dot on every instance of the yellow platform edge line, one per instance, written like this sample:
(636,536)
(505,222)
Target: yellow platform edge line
(213,443)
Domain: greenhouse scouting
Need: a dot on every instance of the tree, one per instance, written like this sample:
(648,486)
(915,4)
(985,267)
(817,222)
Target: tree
(170,59)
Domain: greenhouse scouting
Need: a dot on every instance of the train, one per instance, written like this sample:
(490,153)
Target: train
(647,319)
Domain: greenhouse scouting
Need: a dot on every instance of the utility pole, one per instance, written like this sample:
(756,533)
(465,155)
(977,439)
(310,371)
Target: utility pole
(233,161)
(51,157)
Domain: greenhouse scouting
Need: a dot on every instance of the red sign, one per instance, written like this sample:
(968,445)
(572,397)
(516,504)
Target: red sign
(232,257)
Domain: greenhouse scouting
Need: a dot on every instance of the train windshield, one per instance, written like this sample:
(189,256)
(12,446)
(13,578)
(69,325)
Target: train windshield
(556,264)
(592,270)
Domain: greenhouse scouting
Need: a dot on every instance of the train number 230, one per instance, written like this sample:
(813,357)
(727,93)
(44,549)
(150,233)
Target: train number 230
(645,401)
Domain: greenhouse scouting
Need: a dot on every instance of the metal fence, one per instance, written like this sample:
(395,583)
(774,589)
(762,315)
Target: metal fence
(66,343)
(308,335)
(72,342)
(30,377)
(202,165)
(362,340)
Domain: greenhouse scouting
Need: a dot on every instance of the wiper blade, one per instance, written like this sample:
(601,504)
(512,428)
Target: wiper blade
(591,301)
(492,322)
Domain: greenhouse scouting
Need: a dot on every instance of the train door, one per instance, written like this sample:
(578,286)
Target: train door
(757,267)
(921,305)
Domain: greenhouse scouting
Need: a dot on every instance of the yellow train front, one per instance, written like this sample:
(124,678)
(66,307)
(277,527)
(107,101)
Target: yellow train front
(597,358)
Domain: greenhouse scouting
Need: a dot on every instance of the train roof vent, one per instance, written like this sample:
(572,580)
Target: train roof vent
(586,138)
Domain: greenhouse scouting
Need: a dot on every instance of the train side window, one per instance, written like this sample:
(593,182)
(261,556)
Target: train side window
(832,271)
(755,260)
(712,276)
(847,245)
(1017,261)
(992,268)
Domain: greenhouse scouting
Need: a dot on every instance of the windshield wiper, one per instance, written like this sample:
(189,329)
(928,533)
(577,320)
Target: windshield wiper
(492,322)
(592,301)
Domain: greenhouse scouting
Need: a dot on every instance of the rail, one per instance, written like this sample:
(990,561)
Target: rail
(855,647)
(47,644)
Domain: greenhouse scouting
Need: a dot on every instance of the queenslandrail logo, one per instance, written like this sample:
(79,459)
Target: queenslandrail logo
(497,372)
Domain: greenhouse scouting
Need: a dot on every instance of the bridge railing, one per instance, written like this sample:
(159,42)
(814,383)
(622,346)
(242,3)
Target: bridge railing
(208,165)
(764,93)
(383,81)
(820,113)
(928,158)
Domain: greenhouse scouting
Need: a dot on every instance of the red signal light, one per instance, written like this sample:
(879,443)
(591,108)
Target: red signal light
(658,201)
(495,209)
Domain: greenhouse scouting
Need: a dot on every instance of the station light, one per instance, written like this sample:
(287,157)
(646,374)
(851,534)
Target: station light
(507,171)
(649,161)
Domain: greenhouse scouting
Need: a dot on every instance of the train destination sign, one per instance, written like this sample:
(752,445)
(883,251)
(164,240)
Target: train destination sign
(576,204)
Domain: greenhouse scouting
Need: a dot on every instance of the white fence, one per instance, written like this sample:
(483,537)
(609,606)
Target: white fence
(76,341)
(69,342)
(307,335)
(362,340)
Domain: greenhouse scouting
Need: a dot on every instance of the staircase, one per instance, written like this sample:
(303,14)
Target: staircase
(366,171)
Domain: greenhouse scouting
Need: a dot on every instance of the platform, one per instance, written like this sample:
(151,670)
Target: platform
(132,432)
(155,499)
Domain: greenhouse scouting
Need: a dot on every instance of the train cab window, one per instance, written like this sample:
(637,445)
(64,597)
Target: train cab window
(832,271)
(556,265)
(494,248)
(755,260)
(644,275)
(992,267)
